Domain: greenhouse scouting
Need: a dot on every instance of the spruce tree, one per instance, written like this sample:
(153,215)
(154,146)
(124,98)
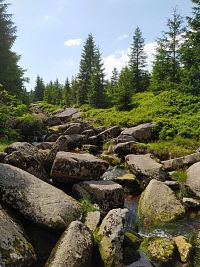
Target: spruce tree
(11,75)
(67,93)
(96,94)
(190,53)
(85,69)
(138,59)
(39,89)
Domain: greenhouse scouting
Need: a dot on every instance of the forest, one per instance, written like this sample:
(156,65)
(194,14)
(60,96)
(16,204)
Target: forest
(168,95)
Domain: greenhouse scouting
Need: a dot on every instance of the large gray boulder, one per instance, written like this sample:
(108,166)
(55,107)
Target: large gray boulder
(141,133)
(27,163)
(131,147)
(74,248)
(144,167)
(36,200)
(182,162)
(111,232)
(109,133)
(52,121)
(73,167)
(106,194)
(15,249)
(158,204)
(67,114)
(193,180)
(74,128)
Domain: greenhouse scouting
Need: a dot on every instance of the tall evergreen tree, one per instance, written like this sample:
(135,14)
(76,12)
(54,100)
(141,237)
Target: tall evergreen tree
(96,94)
(39,89)
(67,93)
(191,53)
(85,69)
(167,66)
(11,75)
(138,59)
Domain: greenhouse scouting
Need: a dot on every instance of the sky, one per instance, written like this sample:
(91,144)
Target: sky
(51,34)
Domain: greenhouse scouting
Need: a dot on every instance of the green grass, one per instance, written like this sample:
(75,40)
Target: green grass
(180,176)
(4,144)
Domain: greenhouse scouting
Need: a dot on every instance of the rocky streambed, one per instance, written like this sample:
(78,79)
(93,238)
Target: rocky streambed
(69,201)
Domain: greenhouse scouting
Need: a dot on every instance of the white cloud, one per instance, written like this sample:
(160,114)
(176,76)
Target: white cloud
(122,37)
(120,59)
(73,42)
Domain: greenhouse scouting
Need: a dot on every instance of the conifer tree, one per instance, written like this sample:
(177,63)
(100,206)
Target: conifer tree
(11,75)
(138,60)
(67,93)
(39,89)
(85,69)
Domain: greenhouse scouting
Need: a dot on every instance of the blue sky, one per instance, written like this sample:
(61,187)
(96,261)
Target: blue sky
(51,33)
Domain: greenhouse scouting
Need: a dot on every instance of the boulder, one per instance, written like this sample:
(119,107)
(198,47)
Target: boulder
(67,114)
(158,204)
(92,220)
(77,115)
(90,149)
(88,133)
(15,249)
(191,202)
(184,248)
(74,248)
(36,200)
(52,137)
(52,121)
(140,133)
(122,138)
(74,128)
(92,140)
(129,182)
(106,194)
(109,133)
(111,232)
(44,145)
(146,168)
(160,250)
(193,180)
(131,147)
(73,167)
(27,163)
(182,162)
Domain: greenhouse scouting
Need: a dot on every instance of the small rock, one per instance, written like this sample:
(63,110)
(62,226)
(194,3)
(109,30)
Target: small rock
(193,180)
(191,202)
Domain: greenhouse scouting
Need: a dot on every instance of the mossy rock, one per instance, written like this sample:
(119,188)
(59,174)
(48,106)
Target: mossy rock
(105,249)
(160,250)
(132,240)
(130,255)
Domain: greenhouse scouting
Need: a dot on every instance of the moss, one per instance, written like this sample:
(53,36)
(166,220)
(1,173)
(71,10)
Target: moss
(87,206)
(158,249)
(113,160)
(105,249)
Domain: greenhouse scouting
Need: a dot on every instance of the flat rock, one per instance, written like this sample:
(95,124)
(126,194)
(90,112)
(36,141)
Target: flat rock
(106,194)
(193,180)
(178,163)
(73,167)
(15,249)
(140,133)
(36,200)
(158,204)
(74,248)
(67,114)
(144,167)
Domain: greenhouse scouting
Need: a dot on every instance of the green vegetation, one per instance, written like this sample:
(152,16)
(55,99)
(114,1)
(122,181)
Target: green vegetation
(87,206)
(180,176)
(4,143)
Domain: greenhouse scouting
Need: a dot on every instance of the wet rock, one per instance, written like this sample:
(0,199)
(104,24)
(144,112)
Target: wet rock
(73,249)
(106,194)
(160,250)
(73,167)
(27,163)
(146,168)
(15,249)
(193,180)
(109,133)
(112,232)
(36,200)
(2,156)
(129,182)
(140,133)
(92,219)
(158,204)
(67,114)
(178,163)
(184,248)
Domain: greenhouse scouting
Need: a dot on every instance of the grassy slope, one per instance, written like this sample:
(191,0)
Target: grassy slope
(177,117)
